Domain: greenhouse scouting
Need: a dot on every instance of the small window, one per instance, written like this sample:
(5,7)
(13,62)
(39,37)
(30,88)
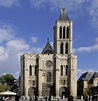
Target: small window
(66,70)
(30,70)
(60,32)
(48,77)
(35,70)
(68,32)
(61,48)
(66,48)
(61,70)
(63,32)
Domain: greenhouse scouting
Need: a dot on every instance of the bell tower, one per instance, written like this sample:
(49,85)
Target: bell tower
(65,61)
(63,34)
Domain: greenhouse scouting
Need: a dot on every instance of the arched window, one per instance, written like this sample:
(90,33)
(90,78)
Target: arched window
(66,48)
(35,73)
(68,30)
(60,32)
(66,70)
(61,70)
(63,32)
(30,70)
(61,48)
(48,77)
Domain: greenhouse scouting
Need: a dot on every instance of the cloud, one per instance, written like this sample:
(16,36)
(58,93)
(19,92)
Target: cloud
(11,47)
(9,3)
(54,4)
(35,50)
(80,71)
(16,74)
(88,49)
(96,40)
(16,47)
(34,39)
(75,7)
(92,10)
(6,34)
(3,54)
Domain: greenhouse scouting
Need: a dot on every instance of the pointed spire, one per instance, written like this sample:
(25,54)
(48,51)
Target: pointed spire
(47,39)
(63,15)
(48,49)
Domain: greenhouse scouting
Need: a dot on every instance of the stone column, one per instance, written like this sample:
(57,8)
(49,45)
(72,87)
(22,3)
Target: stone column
(57,78)
(26,74)
(73,76)
(40,78)
(70,41)
(40,83)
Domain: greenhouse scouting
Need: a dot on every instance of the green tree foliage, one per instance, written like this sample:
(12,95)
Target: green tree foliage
(8,79)
(4,87)
(8,82)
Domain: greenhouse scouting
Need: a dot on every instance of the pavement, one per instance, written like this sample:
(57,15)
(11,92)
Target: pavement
(51,100)
(23,100)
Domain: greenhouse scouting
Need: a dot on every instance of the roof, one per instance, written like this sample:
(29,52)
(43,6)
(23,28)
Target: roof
(7,93)
(95,74)
(48,49)
(87,76)
(63,15)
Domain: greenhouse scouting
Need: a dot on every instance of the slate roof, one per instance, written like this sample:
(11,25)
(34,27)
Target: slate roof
(88,76)
(95,74)
(48,49)
(63,15)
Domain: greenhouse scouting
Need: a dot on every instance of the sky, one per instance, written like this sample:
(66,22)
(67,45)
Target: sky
(25,26)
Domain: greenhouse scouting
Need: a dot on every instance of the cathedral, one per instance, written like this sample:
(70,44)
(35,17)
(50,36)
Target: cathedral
(53,72)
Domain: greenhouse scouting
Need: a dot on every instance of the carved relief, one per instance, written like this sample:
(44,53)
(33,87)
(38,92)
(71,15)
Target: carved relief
(63,82)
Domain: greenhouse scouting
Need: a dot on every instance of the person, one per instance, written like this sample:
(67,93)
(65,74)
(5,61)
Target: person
(30,99)
(35,98)
(1,99)
(49,98)
(17,98)
(45,98)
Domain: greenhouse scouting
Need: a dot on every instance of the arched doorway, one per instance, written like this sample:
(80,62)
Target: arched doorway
(63,91)
(47,90)
(31,91)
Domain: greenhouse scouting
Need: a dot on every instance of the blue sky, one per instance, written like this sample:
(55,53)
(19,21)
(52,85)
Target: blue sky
(25,26)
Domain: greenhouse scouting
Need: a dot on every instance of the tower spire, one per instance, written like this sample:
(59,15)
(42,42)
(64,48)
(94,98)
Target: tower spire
(63,15)
(47,39)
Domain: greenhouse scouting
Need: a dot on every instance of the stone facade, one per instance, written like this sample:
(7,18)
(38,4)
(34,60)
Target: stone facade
(52,72)
(87,81)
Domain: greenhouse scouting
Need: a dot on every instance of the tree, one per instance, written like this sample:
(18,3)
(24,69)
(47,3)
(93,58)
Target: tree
(8,82)
(8,79)
(4,87)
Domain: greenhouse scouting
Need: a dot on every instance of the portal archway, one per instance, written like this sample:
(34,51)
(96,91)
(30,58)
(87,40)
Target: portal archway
(31,91)
(47,90)
(63,91)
